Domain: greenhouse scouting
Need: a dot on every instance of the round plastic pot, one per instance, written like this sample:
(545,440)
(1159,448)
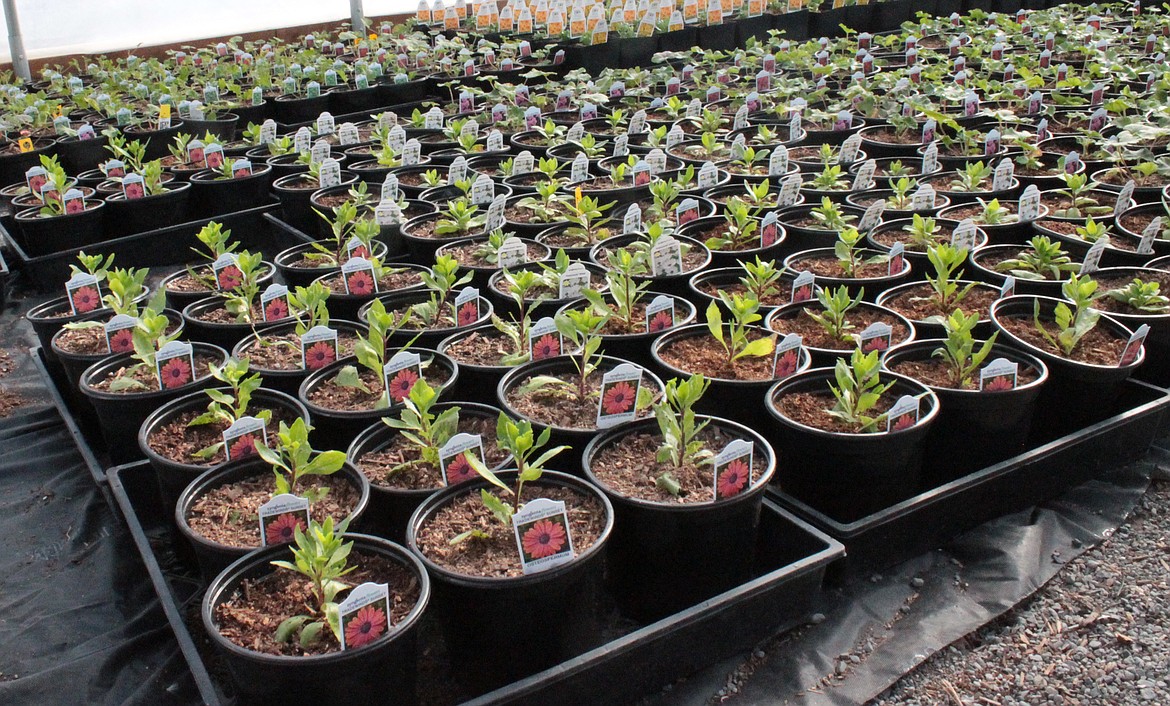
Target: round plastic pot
(506,307)
(181,300)
(174,476)
(984,273)
(953,446)
(1077,248)
(481,274)
(296,276)
(287,381)
(121,414)
(723,277)
(869,287)
(390,509)
(828,356)
(575,439)
(226,334)
(336,428)
(148,213)
(697,229)
(223,127)
(848,476)
(294,109)
(214,557)
(14,165)
(211,196)
(666,557)
(45,236)
(476,382)
(295,203)
(674,285)
(79,155)
(1157,344)
(76,363)
(1077,394)
(917,258)
(349,306)
(157,141)
(550,616)
(1000,234)
(48,318)
(331,679)
(635,347)
(429,337)
(798,238)
(930,329)
(736,400)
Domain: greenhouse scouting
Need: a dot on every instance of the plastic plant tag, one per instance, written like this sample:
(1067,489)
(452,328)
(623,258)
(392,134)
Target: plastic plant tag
(433,119)
(864,177)
(1125,196)
(849,149)
(1004,173)
(132,187)
(213,156)
(802,287)
(1030,204)
(330,174)
(544,340)
(923,198)
(279,518)
(786,359)
(274,302)
(1149,234)
(930,159)
(523,163)
(903,415)
(175,365)
(326,125)
(789,190)
(708,175)
(963,236)
(687,211)
(319,152)
(769,229)
(467,306)
(319,348)
(36,177)
(897,259)
(119,333)
(411,152)
(660,314)
(579,171)
(999,375)
(1072,161)
(632,222)
(387,213)
(239,440)
(778,162)
(495,215)
(733,469)
(656,158)
(642,173)
(457,170)
(1092,261)
(84,292)
(1008,288)
(483,190)
(196,152)
(364,615)
(574,280)
(666,256)
(512,253)
(621,146)
(471,127)
(390,188)
(991,143)
(357,274)
(348,134)
(637,123)
(1097,120)
(542,535)
(396,139)
(86,132)
(74,201)
(453,460)
(794,124)
(877,336)
(1133,347)
(400,374)
(872,216)
(675,136)
(619,395)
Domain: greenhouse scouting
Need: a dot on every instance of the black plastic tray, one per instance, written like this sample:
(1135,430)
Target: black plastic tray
(792,558)
(73,418)
(927,520)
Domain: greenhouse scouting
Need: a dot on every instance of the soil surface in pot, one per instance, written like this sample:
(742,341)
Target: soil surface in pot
(179,442)
(942,234)
(992,260)
(831,267)
(937,373)
(780,298)
(558,212)
(917,303)
(379,466)
(496,556)
(815,335)
(284,352)
(149,379)
(810,409)
(628,467)
(229,514)
(692,259)
(1108,304)
(468,255)
(1098,347)
(250,617)
(187,284)
(406,320)
(703,354)
(545,288)
(975,212)
(390,281)
(330,395)
(483,348)
(552,406)
(220,315)
(1137,222)
(91,340)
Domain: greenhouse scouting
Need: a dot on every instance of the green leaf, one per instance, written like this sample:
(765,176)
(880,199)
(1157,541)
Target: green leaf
(289,628)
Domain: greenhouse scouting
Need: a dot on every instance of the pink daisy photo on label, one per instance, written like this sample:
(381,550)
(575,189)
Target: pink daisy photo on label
(175,373)
(402,383)
(365,626)
(544,538)
(283,529)
(733,478)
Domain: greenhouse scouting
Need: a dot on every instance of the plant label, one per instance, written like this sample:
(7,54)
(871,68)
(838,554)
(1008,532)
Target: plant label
(769,230)
(411,152)
(897,259)
(471,127)
(174,365)
(923,199)
(674,137)
(1030,204)
(1008,288)
(357,273)
(523,163)
(227,272)
(930,159)
(119,332)
(657,161)
(878,336)
(543,535)
(991,143)
(786,359)
(457,170)
(642,173)
(903,415)
(708,175)
(573,281)
(348,134)
(196,152)
(319,347)
(84,292)
(326,125)
(1072,162)
(319,152)
(364,615)
(133,187)
(74,201)
(495,214)
(637,123)
(778,162)
(387,213)
(544,340)
(1133,347)
(1092,261)
(483,190)
(433,119)
(864,177)
(279,518)
(741,118)
(632,222)
(213,156)
(849,149)
(453,458)
(274,302)
(794,125)
(1149,233)
(872,216)
(400,374)
(330,173)
(789,190)
(240,439)
(390,189)
(1004,174)
(999,375)
(512,253)
(37,177)
(579,171)
(660,314)
(733,469)
(687,211)
(802,287)
(963,236)
(666,256)
(619,395)
(1097,120)
(1125,197)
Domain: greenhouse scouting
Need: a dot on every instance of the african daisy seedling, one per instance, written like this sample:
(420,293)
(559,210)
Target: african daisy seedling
(293,460)
(958,349)
(319,554)
(675,415)
(857,390)
(1073,323)
(733,336)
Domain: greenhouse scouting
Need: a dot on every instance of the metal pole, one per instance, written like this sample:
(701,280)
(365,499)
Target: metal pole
(16,41)
(357,24)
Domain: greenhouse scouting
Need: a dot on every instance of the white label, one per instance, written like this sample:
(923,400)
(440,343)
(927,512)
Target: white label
(1030,204)
(330,174)
(619,395)
(864,178)
(483,190)
(1149,233)
(348,134)
(544,340)
(175,365)
(364,615)
(778,162)
(930,159)
(876,337)
(457,170)
(574,281)
(1008,288)
(872,216)
(542,535)
(733,471)
(632,223)
(999,375)
(1004,173)
(319,153)
(708,175)
(580,168)
(1134,346)
(119,331)
(789,190)
(495,214)
(666,256)
(453,461)
(318,348)
(512,253)
(387,213)
(1125,197)
(357,273)
(400,374)
(923,198)
(657,161)
(1092,259)
(769,229)
(239,440)
(897,261)
(325,124)
(523,163)
(850,148)
(963,236)
(274,302)
(786,360)
(390,189)
(660,314)
(903,415)
(279,518)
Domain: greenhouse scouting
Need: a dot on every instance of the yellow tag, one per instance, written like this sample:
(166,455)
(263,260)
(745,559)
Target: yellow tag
(577,28)
(452,21)
(424,15)
(555,28)
(600,38)
(57,111)
(838,4)
(373,37)
(164,111)
(483,21)
(26,144)
(577,193)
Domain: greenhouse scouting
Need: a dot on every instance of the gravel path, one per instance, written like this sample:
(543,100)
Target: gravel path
(1097,634)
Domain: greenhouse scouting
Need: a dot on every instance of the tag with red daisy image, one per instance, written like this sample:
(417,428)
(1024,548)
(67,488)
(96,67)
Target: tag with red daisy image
(226,269)
(213,156)
(619,395)
(84,292)
(542,535)
(239,440)
(666,256)
(358,275)
(467,306)
(1134,346)
(132,187)
(641,174)
(903,415)
(356,248)
(74,201)
(802,287)
(544,340)
(400,374)
(318,347)
(660,314)
(733,469)
(280,517)
(175,365)
(241,168)
(769,230)
(786,360)
(998,375)
(453,457)
(274,303)
(120,333)
(687,211)
(897,259)
(364,615)
(878,336)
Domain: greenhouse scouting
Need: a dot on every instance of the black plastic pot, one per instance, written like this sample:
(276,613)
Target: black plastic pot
(121,414)
(848,476)
(295,204)
(181,300)
(1003,233)
(225,335)
(829,356)
(76,363)
(390,509)
(157,141)
(503,304)
(47,235)
(917,258)
(1157,366)
(675,285)
(214,557)
(288,381)
(428,337)
(930,329)
(966,416)
(985,273)
(635,347)
(349,306)
(870,287)
(1112,256)
(211,196)
(47,319)
(79,155)
(476,382)
(296,276)
(331,679)
(664,557)
(126,216)
(223,127)
(551,614)
(174,476)
(293,109)
(481,274)
(697,228)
